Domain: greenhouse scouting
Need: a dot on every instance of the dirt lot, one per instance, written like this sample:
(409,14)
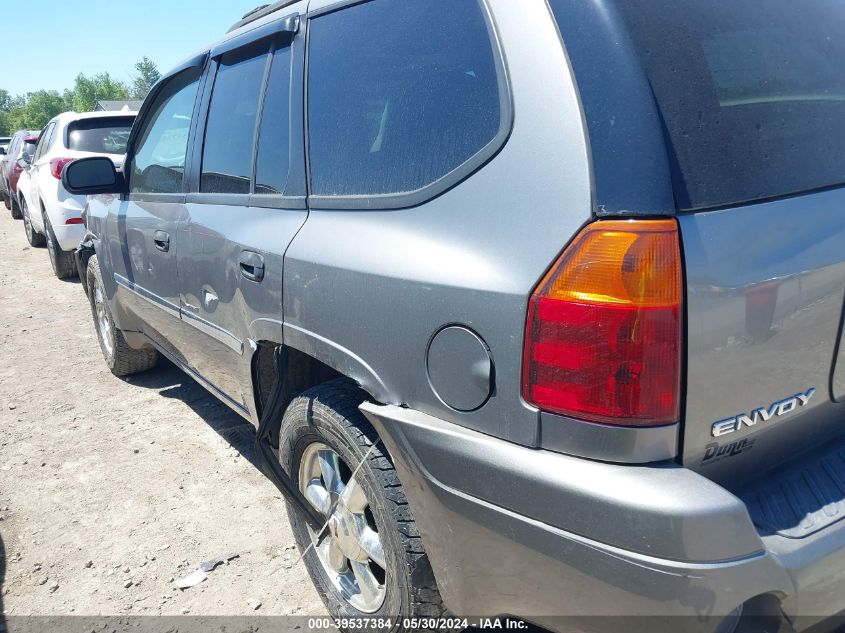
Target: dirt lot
(110,489)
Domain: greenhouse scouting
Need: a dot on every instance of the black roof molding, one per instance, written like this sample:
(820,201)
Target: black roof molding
(259,12)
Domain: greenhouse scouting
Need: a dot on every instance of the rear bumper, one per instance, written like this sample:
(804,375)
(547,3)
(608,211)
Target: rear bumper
(546,537)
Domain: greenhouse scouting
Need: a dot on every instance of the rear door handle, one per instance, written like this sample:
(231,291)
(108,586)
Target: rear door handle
(252,265)
(162,241)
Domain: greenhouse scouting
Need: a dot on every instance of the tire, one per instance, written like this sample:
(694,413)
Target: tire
(6,196)
(16,210)
(34,238)
(328,416)
(121,359)
(63,262)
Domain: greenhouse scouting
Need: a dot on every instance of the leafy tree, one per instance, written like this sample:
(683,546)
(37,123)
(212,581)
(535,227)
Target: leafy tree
(148,75)
(88,90)
(38,108)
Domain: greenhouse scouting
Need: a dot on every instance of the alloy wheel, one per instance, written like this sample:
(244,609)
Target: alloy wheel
(350,549)
(104,326)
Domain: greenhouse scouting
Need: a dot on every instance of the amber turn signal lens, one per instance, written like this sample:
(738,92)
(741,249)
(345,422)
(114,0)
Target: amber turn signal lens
(603,336)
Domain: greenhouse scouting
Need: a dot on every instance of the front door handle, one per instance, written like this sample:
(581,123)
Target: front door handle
(162,241)
(252,265)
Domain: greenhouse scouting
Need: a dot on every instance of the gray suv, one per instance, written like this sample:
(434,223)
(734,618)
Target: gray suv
(536,305)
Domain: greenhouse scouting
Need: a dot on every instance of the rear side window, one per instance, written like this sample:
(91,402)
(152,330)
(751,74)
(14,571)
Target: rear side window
(400,94)
(273,162)
(752,95)
(230,130)
(158,164)
(103,136)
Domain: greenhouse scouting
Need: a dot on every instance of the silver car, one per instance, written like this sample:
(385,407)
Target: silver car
(536,305)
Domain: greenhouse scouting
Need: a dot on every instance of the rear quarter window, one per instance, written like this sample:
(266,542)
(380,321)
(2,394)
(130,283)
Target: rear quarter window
(752,96)
(400,94)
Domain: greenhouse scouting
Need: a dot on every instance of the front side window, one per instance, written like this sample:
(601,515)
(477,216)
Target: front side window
(158,165)
(400,94)
(230,130)
(100,135)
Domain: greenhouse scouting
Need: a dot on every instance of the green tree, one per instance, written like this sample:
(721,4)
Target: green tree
(88,90)
(40,107)
(148,75)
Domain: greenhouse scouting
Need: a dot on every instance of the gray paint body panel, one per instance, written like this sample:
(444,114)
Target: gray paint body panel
(553,560)
(764,301)
(381,283)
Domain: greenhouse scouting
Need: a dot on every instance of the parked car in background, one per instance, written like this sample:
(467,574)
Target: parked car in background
(21,149)
(47,208)
(4,150)
(537,305)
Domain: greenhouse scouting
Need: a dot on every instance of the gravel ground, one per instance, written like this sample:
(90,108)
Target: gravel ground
(110,489)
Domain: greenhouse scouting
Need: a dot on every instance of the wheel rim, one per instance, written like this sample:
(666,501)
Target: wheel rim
(104,327)
(51,247)
(350,550)
(27,223)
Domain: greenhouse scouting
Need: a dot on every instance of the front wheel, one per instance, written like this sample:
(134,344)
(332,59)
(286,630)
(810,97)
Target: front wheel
(121,359)
(369,561)
(63,262)
(32,236)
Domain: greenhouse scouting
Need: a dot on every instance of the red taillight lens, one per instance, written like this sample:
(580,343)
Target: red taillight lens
(57,165)
(603,337)
(74,221)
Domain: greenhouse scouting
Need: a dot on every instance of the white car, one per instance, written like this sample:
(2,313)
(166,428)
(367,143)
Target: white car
(50,213)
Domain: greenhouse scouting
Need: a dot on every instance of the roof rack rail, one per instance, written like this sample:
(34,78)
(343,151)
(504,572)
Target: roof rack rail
(259,12)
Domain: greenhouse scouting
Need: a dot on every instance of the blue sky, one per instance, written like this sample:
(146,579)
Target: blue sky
(65,37)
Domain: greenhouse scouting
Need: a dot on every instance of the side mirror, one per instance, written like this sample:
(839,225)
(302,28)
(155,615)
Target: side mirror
(90,176)
(23,162)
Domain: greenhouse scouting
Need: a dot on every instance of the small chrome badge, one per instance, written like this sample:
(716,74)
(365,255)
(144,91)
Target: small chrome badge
(779,408)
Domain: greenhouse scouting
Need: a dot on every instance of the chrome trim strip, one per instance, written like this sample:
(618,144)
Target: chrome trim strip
(146,295)
(214,331)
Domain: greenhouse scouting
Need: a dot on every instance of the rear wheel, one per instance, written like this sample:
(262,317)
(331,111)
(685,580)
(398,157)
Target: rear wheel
(63,262)
(121,359)
(369,561)
(32,236)
(6,198)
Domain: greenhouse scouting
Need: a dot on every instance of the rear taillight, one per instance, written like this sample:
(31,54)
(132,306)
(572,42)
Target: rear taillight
(74,221)
(603,336)
(57,165)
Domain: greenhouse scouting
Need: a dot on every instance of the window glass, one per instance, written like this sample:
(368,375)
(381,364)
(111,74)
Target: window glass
(102,136)
(44,141)
(273,161)
(399,94)
(158,165)
(230,130)
(29,148)
(752,96)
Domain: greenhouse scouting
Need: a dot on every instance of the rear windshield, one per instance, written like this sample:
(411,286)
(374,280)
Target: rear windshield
(752,95)
(29,147)
(103,136)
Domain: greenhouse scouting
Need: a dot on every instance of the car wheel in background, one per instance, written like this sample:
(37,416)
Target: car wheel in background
(32,236)
(15,208)
(369,561)
(121,359)
(63,262)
